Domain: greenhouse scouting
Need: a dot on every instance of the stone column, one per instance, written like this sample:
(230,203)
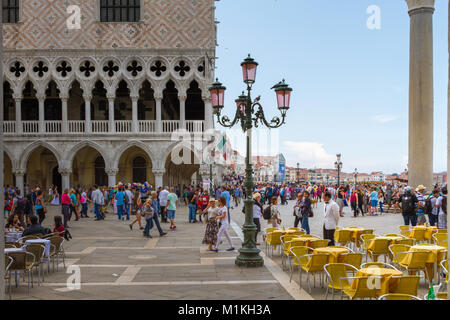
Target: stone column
(112,173)
(19,126)
(65,119)
(41,100)
(182,99)
(158,100)
(134,113)
(111,125)
(87,113)
(421,93)
(65,178)
(159,174)
(19,174)
(209,120)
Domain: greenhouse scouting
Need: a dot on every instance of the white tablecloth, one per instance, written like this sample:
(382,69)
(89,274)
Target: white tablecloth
(44,242)
(13,236)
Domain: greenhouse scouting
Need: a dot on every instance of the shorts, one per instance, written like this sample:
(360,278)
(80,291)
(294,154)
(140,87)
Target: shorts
(171,214)
(374,203)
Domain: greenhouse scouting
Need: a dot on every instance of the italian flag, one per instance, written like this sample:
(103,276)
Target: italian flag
(222,146)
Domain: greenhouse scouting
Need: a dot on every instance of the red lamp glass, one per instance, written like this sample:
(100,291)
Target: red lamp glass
(283,92)
(217,92)
(241,102)
(249,70)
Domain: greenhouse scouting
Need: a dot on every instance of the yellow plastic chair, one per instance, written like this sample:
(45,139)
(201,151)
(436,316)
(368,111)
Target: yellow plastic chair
(404,228)
(378,265)
(359,240)
(418,235)
(274,240)
(354,259)
(360,290)
(394,249)
(316,262)
(442,231)
(365,240)
(287,250)
(299,233)
(407,285)
(321,243)
(376,248)
(405,231)
(300,259)
(266,232)
(398,296)
(336,271)
(416,261)
(406,241)
(439,239)
(343,237)
(444,267)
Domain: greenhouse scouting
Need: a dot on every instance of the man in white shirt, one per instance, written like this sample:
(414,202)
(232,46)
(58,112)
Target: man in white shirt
(130,198)
(163,203)
(331,218)
(98,202)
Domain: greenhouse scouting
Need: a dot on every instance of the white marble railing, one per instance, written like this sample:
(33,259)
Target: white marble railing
(147,126)
(99,126)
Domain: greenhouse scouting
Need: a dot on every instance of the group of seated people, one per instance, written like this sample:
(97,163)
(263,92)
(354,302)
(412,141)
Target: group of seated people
(34,227)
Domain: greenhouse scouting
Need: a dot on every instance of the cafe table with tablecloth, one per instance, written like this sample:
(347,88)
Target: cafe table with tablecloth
(12,236)
(307,240)
(392,240)
(429,231)
(434,258)
(356,234)
(334,253)
(387,284)
(44,242)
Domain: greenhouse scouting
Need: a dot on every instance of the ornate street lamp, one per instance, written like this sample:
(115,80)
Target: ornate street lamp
(249,114)
(338,166)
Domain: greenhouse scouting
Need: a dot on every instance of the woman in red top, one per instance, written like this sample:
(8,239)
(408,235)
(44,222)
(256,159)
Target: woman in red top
(354,202)
(65,206)
(59,226)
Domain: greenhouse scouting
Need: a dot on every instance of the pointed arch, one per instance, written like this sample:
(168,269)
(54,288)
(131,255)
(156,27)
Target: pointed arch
(130,144)
(70,156)
(32,147)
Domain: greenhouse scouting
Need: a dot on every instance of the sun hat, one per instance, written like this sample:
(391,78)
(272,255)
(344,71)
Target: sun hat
(421,187)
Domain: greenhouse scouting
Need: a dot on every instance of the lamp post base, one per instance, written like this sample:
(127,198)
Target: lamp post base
(249,258)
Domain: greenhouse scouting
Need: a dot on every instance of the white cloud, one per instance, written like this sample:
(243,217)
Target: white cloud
(384,118)
(309,154)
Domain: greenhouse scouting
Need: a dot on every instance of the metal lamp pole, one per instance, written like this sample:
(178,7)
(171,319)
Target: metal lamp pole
(249,114)
(338,166)
(356,176)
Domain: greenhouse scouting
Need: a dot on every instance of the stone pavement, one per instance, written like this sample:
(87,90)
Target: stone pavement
(117,263)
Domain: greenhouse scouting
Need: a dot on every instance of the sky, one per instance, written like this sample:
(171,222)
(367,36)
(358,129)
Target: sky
(350,82)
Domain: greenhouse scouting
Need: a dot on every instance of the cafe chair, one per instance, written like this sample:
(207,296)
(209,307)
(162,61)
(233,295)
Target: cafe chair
(38,250)
(23,261)
(320,243)
(343,237)
(418,235)
(398,296)
(56,251)
(406,241)
(377,265)
(444,268)
(24,239)
(442,231)
(376,248)
(53,234)
(358,288)
(359,240)
(299,253)
(8,263)
(286,250)
(407,285)
(336,271)
(394,249)
(439,239)
(315,264)
(354,259)
(365,240)
(413,261)
(405,231)
(265,233)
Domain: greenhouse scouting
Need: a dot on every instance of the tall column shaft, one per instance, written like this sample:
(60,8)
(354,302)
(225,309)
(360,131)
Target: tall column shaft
(182,112)
(159,174)
(112,173)
(158,101)
(134,114)
(111,114)
(87,117)
(41,115)
(209,123)
(65,178)
(20,181)
(65,124)
(421,100)
(18,115)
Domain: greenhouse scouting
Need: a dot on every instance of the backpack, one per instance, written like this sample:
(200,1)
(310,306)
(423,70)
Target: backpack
(267,213)
(428,209)
(20,206)
(408,204)
(444,204)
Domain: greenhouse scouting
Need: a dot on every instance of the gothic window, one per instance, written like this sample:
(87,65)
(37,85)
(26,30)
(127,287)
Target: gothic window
(40,69)
(120,10)
(182,68)
(63,69)
(158,68)
(17,68)
(10,11)
(87,68)
(110,68)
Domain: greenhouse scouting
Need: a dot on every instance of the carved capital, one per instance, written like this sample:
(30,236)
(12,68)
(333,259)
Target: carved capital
(112,171)
(159,172)
(65,171)
(19,172)
(420,4)
(87,97)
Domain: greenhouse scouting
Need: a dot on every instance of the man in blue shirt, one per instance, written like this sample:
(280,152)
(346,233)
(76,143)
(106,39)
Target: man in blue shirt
(226,195)
(120,195)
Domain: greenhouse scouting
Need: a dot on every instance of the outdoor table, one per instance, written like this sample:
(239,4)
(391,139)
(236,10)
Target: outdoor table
(334,253)
(356,234)
(434,257)
(12,236)
(44,242)
(307,240)
(429,231)
(387,284)
(391,239)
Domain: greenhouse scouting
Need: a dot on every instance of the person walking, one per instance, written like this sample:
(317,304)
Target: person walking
(84,204)
(156,208)
(212,228)
(408,203)
(441,204)
(97,200)
(40,207)
(331,218)
(138,208)
(434,214)
(172,203)
(257,211)
(192,205)
(225,223)
(297,210)
(163,203)
(65,207)
(119,199)
(306,211)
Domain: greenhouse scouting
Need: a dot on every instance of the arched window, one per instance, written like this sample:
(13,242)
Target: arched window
(139,170)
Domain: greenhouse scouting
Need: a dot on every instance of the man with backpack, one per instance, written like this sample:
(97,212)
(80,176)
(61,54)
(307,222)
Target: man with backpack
(408,202)
(441,204)
(19,207)
(430,207)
